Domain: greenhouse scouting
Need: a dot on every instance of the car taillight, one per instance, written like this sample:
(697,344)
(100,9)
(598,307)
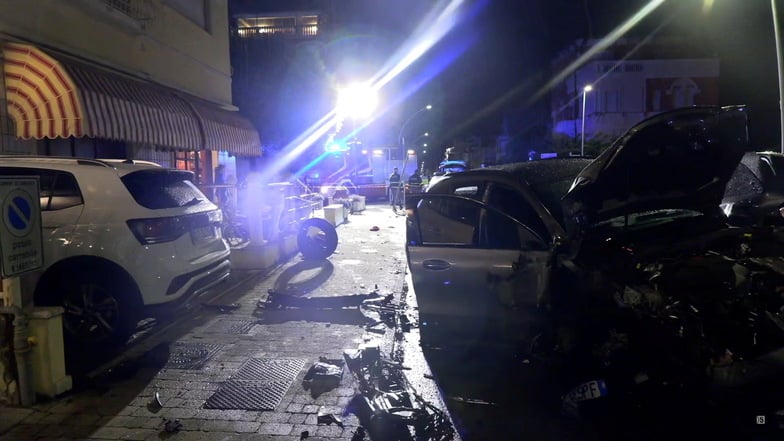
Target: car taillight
(157,230)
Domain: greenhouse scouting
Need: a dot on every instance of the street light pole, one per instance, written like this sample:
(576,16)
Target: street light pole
(586,89)
(401,139)
(780,63)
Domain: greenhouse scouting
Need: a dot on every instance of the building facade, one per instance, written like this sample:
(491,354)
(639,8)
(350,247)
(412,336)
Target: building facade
(138,79)
(629,81)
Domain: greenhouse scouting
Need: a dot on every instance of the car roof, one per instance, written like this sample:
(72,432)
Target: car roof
(120,166)
(541,171)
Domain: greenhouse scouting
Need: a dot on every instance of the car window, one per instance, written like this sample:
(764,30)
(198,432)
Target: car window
(158,189)
(57,189)
(510,201)
(449,221)
(502,232)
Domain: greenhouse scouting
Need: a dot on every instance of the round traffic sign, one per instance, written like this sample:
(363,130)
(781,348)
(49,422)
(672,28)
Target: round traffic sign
(17,213)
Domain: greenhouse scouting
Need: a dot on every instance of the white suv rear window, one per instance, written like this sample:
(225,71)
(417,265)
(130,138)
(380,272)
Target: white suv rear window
(158,189)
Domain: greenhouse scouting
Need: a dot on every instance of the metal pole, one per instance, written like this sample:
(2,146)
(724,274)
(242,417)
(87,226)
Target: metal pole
(582,130)
(780,63)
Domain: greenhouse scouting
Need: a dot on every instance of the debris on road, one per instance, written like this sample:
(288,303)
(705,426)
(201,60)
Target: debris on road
(327,418)
(172,426)
(388,404)
(325,373)
(155,404)
(279,300)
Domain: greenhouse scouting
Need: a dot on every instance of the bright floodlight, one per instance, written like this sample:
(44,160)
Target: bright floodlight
(588,88)
(428,107)
(411,152)
(357,101)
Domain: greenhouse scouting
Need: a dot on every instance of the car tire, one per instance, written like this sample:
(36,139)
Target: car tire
(316,239)
(101,311)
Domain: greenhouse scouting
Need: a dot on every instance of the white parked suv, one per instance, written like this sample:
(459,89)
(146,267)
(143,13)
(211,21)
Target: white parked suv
(121,237)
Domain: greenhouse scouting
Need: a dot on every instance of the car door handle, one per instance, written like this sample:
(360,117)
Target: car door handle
(436,264)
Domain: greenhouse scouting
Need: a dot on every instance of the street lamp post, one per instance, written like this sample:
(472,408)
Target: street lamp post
(401,139)
(586,89)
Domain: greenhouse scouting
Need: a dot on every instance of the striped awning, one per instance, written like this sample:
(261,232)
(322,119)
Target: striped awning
(223,128)
(55,96)
(42,98)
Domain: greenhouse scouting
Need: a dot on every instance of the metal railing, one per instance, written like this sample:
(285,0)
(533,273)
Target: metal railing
(277,31)
(276,215)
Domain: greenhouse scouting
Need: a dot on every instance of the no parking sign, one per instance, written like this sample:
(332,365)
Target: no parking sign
(20,225)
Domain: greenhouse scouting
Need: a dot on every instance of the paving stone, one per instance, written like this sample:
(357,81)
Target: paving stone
(294,407)
(310,408)
(82,420)
(177,413)
(326,400)
(109,433)
(210,414)
(273,417)
(121,421)
(196,394)
(275,428)
(230,426)
(297,418)
(332,431)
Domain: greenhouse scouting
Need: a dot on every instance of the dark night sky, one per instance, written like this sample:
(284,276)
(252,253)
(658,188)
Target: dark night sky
(508,45)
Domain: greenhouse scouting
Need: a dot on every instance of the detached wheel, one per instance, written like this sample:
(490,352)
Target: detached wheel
(316,239)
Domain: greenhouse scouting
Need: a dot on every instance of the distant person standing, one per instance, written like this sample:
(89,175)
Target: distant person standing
(394,190)
(221,192)
(415,178)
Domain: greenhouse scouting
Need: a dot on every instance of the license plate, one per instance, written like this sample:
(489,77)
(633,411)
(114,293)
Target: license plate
(587,391)
(202,234)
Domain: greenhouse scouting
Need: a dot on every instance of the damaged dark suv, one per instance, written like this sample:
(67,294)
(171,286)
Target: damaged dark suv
(625,263)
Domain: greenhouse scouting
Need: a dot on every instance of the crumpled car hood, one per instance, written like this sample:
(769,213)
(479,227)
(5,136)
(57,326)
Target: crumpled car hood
(681,159)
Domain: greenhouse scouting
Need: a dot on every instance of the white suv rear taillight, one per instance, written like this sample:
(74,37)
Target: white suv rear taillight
(157,230)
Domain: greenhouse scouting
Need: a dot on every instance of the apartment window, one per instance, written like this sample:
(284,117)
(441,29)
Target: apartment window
(196,11)
(612,101)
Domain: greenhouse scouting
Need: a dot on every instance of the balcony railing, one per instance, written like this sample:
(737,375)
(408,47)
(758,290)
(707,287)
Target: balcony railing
(303,31)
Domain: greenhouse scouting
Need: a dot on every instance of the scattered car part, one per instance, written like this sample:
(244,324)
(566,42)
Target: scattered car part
(316,238)
(277,299)
(324,417)
(155,404)
(325,372)
(172,426)
(390,404)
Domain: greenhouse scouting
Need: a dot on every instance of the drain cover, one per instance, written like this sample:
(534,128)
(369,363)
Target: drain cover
(190,355)
(248,395)
(224,326)
(258,385)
